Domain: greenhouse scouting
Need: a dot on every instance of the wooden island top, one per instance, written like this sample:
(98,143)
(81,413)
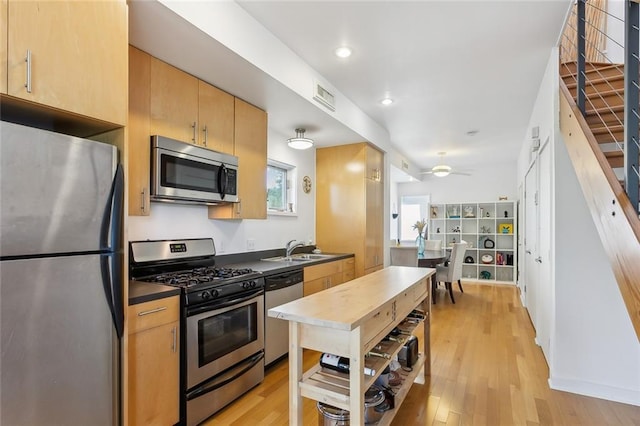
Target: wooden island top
(352,320)
(347,306)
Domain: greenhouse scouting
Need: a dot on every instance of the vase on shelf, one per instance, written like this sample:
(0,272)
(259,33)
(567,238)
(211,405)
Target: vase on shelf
(420,244)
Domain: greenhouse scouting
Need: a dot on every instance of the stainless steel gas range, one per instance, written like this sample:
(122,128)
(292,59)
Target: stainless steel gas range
(222,321)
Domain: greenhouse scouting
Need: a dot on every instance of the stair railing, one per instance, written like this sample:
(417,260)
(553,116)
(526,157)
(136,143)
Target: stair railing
(594,36)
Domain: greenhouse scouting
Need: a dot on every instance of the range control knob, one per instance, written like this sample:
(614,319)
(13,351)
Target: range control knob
(253,284)
(205,295)
(214,293)
(246,285)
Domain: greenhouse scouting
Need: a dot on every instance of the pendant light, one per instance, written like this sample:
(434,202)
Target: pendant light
(300,142)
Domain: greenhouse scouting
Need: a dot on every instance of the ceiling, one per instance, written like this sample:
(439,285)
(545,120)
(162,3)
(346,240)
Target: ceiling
(452,67)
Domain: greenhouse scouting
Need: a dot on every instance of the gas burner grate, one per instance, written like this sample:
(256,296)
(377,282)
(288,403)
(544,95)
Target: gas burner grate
(199,275)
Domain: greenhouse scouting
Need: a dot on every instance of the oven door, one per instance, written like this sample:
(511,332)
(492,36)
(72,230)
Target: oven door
(219,338)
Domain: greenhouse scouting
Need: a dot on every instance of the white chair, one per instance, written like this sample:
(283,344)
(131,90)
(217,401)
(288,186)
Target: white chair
(404,256)
(433,245)
(453,271)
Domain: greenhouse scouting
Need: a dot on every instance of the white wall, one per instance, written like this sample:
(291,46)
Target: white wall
(168,221)
(484,184)
(594,350)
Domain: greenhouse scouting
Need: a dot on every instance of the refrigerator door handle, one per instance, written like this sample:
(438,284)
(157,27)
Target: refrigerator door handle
(111,227)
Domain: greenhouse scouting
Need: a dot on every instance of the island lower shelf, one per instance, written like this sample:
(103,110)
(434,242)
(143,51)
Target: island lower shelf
(355,319)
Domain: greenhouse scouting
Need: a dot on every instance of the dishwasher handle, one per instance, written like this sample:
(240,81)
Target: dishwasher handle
(276,282)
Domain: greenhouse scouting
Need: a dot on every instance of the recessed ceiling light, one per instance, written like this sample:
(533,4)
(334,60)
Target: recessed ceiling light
(343,52)
(386,101)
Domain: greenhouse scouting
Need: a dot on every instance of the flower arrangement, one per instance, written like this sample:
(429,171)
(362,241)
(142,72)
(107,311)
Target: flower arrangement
(420,226)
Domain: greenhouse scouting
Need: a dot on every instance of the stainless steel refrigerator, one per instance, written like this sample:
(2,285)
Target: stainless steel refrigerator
(61,308)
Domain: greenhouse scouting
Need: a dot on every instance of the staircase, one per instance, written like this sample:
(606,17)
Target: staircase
(595,142)
(604,107)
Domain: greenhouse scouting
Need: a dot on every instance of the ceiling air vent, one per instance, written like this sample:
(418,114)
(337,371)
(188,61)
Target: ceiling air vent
(323,96)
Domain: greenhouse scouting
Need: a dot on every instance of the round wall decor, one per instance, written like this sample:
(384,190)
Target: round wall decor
(488,243)
(487,258)
(306,184)
(469,259)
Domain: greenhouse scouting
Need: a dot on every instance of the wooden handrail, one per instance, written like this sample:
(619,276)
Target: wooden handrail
(613,215)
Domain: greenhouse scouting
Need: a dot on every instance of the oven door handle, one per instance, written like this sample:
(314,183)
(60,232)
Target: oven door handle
(227,377)
(221,305)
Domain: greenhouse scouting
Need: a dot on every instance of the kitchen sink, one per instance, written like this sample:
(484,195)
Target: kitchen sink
(302,257)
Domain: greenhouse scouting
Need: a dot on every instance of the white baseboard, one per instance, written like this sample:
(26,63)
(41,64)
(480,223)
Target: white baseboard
(626,396)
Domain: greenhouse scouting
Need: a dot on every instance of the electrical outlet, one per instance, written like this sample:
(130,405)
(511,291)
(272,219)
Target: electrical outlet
(251,244)
(220,247)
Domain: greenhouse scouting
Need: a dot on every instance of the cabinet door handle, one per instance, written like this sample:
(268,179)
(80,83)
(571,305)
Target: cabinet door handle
(193,126)
(143,198)
(205,135)
(28,61)
(174,340)
(239,207)
(152,311)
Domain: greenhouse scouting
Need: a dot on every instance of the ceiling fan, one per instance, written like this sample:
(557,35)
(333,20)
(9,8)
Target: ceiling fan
(442,170)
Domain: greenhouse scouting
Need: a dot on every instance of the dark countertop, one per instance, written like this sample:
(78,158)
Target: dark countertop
(140,292)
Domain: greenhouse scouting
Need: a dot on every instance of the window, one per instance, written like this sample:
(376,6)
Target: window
(280,188)
(412,209)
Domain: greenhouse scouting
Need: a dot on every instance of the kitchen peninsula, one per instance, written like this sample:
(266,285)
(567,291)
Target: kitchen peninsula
(350,321)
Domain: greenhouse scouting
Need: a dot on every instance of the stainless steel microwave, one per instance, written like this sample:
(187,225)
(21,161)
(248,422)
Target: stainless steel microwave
(185,173)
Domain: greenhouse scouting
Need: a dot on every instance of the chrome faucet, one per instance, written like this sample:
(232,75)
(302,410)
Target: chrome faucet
(292,245)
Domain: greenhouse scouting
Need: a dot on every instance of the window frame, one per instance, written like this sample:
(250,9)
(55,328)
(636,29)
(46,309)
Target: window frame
(290,188)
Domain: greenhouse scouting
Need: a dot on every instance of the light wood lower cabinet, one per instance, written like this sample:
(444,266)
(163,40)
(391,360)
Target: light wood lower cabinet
(154,362)
(326,275)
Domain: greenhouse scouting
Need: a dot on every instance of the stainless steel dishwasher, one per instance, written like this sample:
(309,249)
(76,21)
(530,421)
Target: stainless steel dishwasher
(279,289)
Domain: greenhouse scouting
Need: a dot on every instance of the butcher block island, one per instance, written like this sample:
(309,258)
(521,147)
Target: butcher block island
(355,320)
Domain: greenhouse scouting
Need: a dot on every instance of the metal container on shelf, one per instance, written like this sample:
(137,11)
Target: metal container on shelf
(374,408)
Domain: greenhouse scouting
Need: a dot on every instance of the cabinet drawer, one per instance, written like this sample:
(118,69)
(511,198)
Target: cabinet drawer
(152,314)
(322,270)
(381,319)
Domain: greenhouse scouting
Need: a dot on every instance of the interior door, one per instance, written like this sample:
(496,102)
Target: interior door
(543,263)
(530,243)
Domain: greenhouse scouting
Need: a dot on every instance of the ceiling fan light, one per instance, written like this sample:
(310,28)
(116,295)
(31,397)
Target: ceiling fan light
(441,171)
(300,142)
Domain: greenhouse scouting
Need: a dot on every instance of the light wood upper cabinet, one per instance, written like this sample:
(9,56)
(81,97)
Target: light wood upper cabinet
(79,67)
(3,46)
(174,102)
(215,118)
(250,146)
(139,140)
(349,203)
(154,362)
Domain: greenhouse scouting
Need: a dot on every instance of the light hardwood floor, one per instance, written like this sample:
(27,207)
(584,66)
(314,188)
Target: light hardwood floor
(486,370)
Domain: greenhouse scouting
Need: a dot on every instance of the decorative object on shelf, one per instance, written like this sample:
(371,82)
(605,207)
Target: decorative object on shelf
(510,259)
(468,212)
(488,243)
(469,259)
(486,258)
(454,213)
(434,212)
(502,198)
(499,259)
(481,212)
(506,213)
(488,215)
(420,226)
(437,230)
(485,275)
(306,184)
(455,229)
(505,228)
(485,230)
